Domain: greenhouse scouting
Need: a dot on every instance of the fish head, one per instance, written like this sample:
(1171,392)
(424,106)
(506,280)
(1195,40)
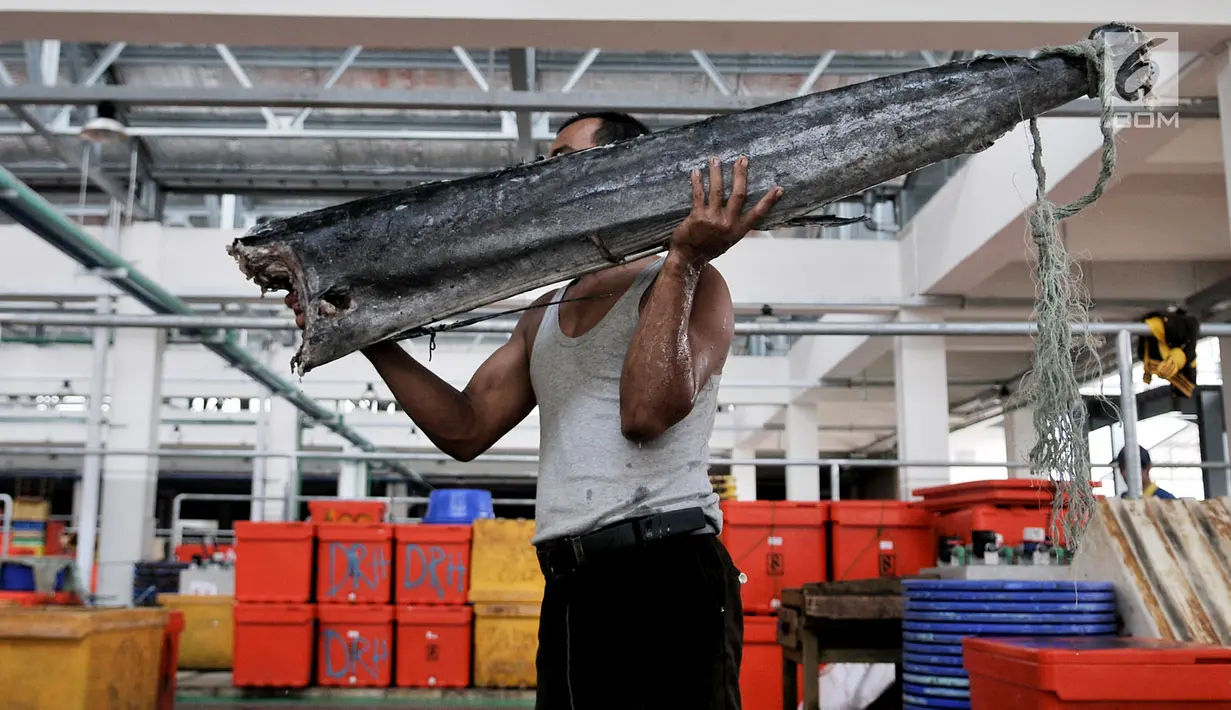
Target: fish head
(1130,49)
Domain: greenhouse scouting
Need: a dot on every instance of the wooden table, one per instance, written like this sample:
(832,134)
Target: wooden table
(840,622)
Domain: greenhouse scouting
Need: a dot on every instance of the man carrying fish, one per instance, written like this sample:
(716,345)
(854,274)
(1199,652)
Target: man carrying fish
(642,602)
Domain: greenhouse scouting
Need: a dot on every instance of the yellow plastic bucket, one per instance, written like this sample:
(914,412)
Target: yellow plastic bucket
(208,640)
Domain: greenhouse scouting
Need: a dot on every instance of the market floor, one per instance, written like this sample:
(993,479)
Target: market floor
(214,691)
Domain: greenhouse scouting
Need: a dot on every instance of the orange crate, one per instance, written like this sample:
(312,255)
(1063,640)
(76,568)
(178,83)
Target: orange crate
(433,564)
(273,562)
(273,645)
(880,538)
(760,672)
(363,512)
(1096,673)
(777,544)
(356,645)
(170,660)
(354,563)
(1013,523)
(433,646)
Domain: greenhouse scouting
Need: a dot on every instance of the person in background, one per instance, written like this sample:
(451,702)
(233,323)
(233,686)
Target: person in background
(1148,487)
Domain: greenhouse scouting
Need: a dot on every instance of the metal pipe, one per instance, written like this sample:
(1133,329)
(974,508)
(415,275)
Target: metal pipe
(92,466)
(532,458)
(871,328)
(6,529)
(1128,415)
(835,472)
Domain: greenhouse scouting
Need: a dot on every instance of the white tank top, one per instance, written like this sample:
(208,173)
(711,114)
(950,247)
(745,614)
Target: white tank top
(590,476)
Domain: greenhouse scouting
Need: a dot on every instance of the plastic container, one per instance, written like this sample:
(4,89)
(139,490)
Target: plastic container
(458,506)
(354,563)
(81,659)
(273,562)
(1105,673)
(432,564)
(777,545)
(504,566)
(273,645)
(506,641)
(355,648)
(433,646)
(363,512)
(879,538)
(1010,492)
(170,660)
(18,576)
(209,630)
(1016,525)
(760,672)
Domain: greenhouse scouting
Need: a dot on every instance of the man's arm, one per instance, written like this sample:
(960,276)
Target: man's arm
(462,424)
(687,324)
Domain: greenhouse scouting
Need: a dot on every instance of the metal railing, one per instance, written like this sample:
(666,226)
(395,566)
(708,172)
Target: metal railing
(6,530)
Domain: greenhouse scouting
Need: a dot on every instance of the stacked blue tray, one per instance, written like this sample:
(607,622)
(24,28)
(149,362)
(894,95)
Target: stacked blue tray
(937,614)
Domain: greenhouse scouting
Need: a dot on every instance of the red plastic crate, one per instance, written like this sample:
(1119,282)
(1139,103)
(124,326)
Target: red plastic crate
(273,562)
(433,646)
(760,672)
(1012,523)
(432,563)
(170,660)
(273,645)
(354,563)
(777,544)
(363,512)
(1096,673)
(880,538)
(356,646)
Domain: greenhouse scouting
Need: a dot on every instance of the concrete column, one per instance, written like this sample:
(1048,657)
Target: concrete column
(352,477)
(1019,438)
(281,473)
(398,510)
(922,390)
(802,482)
(129,483)
(745,474)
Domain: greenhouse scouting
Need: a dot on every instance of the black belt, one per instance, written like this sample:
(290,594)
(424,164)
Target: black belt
(565,555)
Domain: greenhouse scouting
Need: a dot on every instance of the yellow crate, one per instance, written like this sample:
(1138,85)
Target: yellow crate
(31,509)
(503,565)
(208,640)
(80,659)
(506,641)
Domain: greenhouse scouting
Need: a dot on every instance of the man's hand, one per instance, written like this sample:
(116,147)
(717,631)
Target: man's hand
(712,228)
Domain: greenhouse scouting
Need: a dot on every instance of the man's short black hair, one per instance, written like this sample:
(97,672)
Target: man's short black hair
(615,126)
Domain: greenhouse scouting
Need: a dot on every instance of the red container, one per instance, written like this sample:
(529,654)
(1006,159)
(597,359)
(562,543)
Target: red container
(364,512)
(433,646)
(356,646)
(880,538)
(354,563)
(433,564)
(273,645)
(273,562)
(1016,524)
(1009,492)
(170,660)
(777,544)
(760,671)
(1096,673)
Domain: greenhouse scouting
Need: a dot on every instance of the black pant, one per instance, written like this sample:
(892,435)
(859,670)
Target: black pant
(657,627)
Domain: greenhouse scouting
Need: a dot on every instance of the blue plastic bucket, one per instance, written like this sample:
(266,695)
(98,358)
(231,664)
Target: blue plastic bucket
(18,577)
(458,506)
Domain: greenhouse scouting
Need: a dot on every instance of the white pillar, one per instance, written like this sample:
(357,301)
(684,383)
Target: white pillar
(130,483)
(922,389)
(281,473)
(352,477)
(1019,439)
(398,510)
(745,475)
(802,482)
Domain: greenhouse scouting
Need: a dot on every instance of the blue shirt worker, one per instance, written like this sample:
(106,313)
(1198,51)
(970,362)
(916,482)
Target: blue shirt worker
(1148,487)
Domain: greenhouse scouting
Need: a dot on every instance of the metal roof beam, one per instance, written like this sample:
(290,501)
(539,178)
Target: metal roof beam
(454,100)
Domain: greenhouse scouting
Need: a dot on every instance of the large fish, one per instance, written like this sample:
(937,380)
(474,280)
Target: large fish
(382,266)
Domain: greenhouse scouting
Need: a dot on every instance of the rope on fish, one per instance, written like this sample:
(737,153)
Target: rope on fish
(1051,388)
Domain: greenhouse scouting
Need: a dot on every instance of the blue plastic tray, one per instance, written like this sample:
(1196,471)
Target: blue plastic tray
(994,607)
(915,702)
(938,681)
(930,648)
(947,671)
(973,617)
(932,660)
(1069,596)
(926,691)
(1009,629)
(1004,585)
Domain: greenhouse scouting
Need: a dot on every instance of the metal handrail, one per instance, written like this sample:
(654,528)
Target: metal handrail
(6,530)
